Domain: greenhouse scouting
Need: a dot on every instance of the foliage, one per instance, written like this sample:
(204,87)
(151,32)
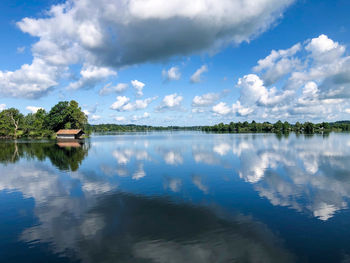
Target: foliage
(66,115)
(41,124)
(64,158)
(133,128)
(279,127)
(10,121)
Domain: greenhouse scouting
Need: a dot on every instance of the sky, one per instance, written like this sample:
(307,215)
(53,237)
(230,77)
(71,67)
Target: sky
(178,62)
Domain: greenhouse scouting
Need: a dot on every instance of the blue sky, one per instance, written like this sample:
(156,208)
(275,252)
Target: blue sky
(183,63)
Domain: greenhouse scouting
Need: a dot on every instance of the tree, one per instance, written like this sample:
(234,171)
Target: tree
(309,128)
(66,115)
(297,127)
(278,126)
(40,119)
(10,121)
(286,127)
(325,125)
(56,119)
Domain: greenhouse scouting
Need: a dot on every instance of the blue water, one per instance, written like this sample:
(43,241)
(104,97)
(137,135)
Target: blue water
(177,197)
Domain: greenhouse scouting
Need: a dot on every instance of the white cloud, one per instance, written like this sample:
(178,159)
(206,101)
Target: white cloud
(108,89)
(120,118)
(221,108)
(91,76)
(205,100)
(138,85)
(144,116)
(95,117)
(170,102)
(84,32)
(123,104)
(198,110)
(315,83)
(240,110)
(172,74)
(278,64)
(30,81)
(324,49)
(33,109)
(121,100)
(196,77)
(2,106)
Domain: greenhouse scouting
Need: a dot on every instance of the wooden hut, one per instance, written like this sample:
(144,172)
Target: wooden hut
(70,134)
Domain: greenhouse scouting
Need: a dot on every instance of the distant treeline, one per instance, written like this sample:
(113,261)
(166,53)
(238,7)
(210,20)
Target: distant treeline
(279,127)
(42,124)
(68,115)
(238,127)
(136,128)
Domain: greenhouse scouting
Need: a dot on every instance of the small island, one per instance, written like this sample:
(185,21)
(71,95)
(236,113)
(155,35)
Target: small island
(64,115)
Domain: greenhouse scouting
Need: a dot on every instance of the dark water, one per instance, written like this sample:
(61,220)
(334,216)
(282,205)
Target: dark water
(177,197)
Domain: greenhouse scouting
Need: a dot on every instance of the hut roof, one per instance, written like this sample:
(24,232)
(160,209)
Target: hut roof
(70,131)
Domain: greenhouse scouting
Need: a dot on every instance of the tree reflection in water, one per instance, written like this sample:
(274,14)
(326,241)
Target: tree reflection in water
(66,156)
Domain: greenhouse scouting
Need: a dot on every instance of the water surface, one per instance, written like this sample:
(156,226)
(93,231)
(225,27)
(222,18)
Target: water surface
(177,197)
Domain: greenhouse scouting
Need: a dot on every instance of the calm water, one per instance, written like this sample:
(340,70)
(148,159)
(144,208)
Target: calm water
(177,197)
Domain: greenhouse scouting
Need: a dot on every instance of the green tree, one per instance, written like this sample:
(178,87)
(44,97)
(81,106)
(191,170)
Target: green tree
(278,126)
(309,128)
(286,127)
(297,127)
(66,115)
(10,121)
(40,119)
(325,125)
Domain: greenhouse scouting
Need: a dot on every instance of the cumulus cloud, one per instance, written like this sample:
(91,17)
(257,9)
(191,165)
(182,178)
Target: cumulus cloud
(113,34)
(313,78)
(172,74)
(324,49)
(170,102)
(91,76)
(2,106)
(123,104)
(278,64)
(138,86)
(95,117)
(196,77)
(222,109)
(108,89)
(144,116)
(205,100)
(120,118)
(201,103)
(30,81)
(33,109)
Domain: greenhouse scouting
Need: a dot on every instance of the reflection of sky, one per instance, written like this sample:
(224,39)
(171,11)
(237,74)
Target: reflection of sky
(309,176)
(101,225)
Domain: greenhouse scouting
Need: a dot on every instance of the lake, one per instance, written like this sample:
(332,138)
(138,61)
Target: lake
(177,197)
